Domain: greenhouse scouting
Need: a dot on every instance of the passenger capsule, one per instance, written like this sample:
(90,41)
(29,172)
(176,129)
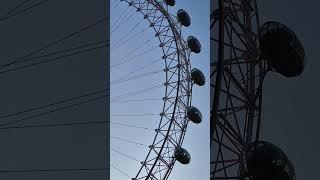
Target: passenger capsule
(197,77)
(183,17)
(194,115)
(170,2)
(265,161)
(194,44)
(282,49)
(182,155)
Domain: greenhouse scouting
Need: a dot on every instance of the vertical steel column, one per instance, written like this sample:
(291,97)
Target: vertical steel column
(216,99)
(252,85)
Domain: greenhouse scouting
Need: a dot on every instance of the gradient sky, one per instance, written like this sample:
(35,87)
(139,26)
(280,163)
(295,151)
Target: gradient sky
(197,137)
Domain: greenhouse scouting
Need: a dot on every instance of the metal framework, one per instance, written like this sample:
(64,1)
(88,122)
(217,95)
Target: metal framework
(237,73)
(178,89)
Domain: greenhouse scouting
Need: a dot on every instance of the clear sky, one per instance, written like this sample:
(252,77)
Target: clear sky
(197,137)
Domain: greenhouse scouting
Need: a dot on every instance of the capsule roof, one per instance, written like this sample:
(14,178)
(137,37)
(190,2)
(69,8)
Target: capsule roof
(281,48)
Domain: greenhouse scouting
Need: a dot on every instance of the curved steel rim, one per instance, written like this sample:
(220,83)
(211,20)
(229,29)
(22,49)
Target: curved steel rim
(183,67)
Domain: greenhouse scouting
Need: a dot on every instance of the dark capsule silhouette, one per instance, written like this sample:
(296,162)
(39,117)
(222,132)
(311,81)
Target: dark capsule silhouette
(281,48)
(170,2)
(198,77)
(183,17)
(182,155)
(194,115)
(266,161)
(194,44)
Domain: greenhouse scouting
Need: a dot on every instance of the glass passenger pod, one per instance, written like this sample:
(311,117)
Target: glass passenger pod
(266,161)
(170,2)
(184,18)
(194,115)
(198,77)
(194,44)
(281,48)
(182,155)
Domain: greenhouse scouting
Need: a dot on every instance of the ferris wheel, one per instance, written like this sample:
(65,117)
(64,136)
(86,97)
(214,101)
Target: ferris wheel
(242,52)
(151,88)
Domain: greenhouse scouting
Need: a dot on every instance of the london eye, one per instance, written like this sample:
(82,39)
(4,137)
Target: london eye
(151,88)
